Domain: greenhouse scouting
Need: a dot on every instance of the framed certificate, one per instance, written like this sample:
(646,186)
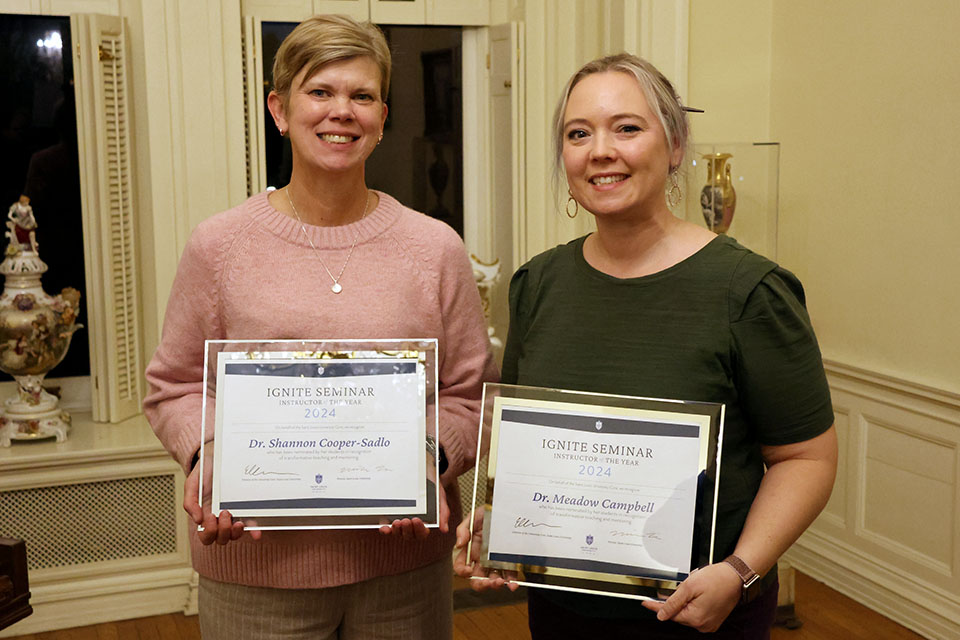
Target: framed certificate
(597,493)
(320,434)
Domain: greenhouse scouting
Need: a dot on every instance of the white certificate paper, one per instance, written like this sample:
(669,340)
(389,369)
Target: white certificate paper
(308,437)
(595,489)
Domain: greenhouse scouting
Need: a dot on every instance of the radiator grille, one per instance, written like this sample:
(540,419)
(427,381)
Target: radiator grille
(466,487)
(92,522)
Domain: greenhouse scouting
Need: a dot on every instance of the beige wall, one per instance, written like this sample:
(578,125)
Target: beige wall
(863,97)
(729,73)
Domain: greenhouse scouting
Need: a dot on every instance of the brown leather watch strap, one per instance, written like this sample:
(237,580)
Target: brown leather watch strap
(749,578)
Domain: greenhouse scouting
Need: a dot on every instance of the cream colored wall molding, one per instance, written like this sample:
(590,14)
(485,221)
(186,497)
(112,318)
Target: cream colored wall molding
(298,10)
(878,385)
(61,7)
(192,607)
(506,11)
(101,513)
(887,537)
(84,602)
(413,12)
(459,12)
(477,215)
(930,612)
(359,9)
(658,30)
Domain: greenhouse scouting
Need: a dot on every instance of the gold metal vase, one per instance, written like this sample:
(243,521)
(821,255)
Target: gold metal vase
(718,199)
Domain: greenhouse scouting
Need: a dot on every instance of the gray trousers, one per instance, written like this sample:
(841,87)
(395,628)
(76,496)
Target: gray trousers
(416,604)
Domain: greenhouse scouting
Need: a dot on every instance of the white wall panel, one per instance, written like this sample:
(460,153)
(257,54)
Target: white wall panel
(282,10)
(359,9)
(66,7)
(835,513)
(909,493)
(888,537)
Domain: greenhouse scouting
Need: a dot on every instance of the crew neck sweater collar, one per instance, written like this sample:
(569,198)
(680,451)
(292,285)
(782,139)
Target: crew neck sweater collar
(384,215)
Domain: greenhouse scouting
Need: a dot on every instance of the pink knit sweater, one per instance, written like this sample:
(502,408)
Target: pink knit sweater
(249,273)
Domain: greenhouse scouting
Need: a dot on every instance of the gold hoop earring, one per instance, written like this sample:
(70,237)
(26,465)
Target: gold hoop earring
(674,195)
(576,207)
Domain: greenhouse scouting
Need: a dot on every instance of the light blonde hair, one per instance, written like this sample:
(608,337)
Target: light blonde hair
(320,40)
(658,91)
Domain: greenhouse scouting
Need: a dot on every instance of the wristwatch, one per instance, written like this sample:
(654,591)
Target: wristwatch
(751,581)
(436,450)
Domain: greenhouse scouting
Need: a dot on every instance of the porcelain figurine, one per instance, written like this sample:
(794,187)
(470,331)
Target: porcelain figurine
(35,333)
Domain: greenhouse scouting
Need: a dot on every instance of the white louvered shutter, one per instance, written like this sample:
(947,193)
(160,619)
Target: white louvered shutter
(254,118)
(103,116)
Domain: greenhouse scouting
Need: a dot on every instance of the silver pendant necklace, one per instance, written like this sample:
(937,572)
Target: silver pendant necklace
(337,287)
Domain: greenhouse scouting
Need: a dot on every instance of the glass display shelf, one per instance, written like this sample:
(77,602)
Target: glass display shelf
(733,188)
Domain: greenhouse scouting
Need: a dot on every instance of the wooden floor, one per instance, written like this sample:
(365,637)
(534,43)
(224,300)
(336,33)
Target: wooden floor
(826,615)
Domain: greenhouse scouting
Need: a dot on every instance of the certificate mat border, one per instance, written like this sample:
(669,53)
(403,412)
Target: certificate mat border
(422,345)
(260,512)
(705,414)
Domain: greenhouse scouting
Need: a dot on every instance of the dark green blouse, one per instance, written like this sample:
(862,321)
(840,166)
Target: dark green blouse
(725,325)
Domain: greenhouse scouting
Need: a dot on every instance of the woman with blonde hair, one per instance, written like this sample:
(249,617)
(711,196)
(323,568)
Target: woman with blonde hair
(324,258)
(652,305)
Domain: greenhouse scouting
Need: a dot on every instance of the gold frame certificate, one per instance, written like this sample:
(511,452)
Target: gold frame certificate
(598,493)
(320,434)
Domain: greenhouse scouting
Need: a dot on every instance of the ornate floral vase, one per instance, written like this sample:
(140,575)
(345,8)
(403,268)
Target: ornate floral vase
(718,198)
(486,275)
(35,333)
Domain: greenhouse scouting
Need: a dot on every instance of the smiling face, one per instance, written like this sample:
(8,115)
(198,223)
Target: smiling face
(334,117)
(615,151)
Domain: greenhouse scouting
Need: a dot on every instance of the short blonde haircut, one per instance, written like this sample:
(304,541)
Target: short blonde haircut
(658,91)
(320,40)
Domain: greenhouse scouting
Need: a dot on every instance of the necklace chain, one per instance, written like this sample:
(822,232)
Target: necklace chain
(337,287)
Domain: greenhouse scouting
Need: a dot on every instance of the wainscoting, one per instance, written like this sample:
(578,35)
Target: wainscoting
(889,536)
(105,530)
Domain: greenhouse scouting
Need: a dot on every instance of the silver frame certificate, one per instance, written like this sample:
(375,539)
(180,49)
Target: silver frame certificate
(320,434)
(598,493)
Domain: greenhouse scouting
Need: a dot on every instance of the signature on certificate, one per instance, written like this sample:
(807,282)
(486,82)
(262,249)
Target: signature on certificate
(633,534)
(523,523)
(255,470)
(353,469)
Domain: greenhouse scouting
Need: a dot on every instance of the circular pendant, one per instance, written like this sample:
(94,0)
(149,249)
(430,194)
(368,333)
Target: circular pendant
(336,288)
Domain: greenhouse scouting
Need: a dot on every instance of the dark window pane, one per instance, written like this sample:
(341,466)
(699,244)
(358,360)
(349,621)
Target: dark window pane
(38,154)
(420,161)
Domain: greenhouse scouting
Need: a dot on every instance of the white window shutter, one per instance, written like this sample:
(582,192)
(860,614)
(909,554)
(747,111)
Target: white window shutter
(254,118)
(106,174)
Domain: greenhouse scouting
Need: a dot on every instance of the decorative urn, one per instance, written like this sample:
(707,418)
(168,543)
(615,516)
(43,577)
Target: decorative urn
(35,333)
(486,275)
(718,200)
